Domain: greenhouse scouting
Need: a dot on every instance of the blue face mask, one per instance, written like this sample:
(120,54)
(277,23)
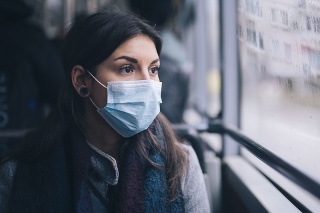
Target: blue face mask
(131,105)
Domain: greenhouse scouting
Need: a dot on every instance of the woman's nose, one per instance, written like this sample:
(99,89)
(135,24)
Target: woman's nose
(144,75)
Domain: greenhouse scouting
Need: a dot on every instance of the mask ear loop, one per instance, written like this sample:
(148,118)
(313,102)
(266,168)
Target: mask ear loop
(93,103)
(96,79)
(100,84)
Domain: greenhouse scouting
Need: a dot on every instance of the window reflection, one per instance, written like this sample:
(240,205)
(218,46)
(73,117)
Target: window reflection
(280,67)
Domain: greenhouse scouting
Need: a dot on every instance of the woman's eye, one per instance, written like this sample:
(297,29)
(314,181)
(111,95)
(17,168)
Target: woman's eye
(154,70)
(126,69)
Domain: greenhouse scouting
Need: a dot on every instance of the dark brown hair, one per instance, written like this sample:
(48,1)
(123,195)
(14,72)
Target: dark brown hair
(88,43)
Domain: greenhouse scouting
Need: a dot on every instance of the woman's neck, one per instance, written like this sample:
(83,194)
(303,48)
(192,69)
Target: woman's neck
(103,136)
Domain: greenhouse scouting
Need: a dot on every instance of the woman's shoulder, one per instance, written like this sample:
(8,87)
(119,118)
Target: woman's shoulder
(193,184)
(8,167)
(193,168)
(7,172)
(192,159)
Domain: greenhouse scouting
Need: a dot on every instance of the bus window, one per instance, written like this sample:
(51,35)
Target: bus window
(202,42)
(279,50)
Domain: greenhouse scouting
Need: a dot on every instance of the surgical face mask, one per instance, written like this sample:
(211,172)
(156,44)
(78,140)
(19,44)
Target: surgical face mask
(131,105)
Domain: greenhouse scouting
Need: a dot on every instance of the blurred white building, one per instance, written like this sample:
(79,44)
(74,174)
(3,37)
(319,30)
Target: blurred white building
(281,40)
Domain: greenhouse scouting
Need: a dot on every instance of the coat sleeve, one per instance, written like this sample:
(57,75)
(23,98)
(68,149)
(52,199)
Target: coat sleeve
(193,186)
(7,171)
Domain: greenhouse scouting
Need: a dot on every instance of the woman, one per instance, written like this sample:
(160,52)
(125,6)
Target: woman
(106,148)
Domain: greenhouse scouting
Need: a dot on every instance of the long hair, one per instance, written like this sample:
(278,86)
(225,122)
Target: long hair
(89,42)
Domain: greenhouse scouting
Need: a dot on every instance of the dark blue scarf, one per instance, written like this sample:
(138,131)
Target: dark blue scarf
(143,188)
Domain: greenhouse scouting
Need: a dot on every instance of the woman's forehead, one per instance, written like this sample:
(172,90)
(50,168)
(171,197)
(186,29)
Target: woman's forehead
(138,46)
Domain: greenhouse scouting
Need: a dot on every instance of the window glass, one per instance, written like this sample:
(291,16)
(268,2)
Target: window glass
(213,84)
(201,40)
(279,50)
(53,18)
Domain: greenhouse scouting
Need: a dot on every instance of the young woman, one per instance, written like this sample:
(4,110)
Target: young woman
(107,148)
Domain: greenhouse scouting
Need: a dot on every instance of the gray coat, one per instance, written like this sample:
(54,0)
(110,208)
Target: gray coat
(193,185)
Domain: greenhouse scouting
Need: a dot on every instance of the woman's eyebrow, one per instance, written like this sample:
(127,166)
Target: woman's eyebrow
(155,61)
(133,60)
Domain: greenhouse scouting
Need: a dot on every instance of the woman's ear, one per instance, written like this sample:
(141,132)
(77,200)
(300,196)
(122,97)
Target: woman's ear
(80,80)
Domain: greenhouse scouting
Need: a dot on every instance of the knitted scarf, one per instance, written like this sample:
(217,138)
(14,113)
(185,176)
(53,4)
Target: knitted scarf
(141,186)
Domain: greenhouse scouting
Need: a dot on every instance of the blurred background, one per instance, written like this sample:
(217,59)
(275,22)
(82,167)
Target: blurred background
(253,64)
